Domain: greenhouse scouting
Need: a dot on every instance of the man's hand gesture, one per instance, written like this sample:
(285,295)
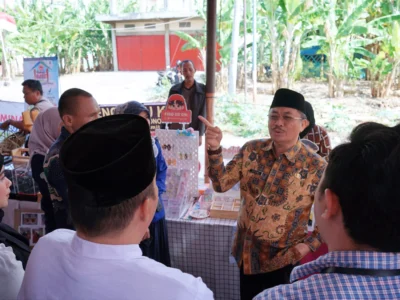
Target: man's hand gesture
(213,134)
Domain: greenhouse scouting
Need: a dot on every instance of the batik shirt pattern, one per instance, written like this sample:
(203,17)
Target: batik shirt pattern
(277,196)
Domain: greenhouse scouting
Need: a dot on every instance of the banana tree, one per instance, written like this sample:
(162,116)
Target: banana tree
(343,31)
(70,32)
(288,21)
(383,66)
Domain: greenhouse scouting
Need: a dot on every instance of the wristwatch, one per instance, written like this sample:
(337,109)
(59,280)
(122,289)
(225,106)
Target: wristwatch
(215,152)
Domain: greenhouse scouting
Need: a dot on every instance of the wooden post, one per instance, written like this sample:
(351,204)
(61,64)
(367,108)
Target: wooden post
(210,68)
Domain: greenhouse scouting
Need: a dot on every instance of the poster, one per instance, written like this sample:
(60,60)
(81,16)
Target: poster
(176,111)
(11,110)
(155,109)
(32,226)
(44,69)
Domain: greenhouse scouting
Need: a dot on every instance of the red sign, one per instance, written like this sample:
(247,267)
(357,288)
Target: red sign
(176,111)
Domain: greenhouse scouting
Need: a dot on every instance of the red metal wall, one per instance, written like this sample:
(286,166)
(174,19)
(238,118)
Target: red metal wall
(141,53)
(147,53)
(175,46)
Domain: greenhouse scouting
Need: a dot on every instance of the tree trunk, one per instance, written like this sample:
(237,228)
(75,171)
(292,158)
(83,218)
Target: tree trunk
(254,56)
(331,76)
(87,63)
(79,61)
(391,78)
(292,63)
(245,49)
(5,64)
(234,49)
(275,59)
(339,88)
(284,76)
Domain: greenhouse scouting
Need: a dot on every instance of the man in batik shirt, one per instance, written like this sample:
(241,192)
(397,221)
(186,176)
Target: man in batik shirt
(278,177)
(357,210)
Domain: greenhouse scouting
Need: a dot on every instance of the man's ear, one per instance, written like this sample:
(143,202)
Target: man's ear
(147,209)
(332,205)
(304,124)
(67,120)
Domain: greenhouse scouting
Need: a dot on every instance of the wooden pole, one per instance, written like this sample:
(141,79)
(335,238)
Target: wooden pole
(210,68)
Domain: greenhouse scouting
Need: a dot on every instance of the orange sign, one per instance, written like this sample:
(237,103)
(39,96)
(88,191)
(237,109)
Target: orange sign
(176,110)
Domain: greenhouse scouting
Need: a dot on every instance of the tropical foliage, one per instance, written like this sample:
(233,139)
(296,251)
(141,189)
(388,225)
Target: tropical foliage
(355,36)
(69,31)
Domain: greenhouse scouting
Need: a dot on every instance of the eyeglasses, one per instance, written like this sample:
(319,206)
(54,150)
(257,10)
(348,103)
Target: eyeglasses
(286,119)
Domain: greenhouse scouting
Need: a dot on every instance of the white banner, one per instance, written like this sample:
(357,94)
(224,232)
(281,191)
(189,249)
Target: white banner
(44,69)
(11,110)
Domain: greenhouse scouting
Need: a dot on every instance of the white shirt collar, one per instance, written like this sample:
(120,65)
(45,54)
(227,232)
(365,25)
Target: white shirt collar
(88,249)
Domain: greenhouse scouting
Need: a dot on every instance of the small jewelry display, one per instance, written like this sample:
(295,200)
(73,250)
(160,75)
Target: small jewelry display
(167,147)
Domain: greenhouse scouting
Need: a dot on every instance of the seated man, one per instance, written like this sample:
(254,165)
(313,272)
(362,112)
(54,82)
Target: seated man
(112,205)
(357,212)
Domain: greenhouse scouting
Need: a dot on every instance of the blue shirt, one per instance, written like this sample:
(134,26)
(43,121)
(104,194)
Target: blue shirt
(161,176)
(336,286)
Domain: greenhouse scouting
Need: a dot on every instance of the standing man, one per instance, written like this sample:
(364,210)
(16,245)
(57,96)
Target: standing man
(357,209)
(278,177)
(76,107)
(195,96)
(33,95)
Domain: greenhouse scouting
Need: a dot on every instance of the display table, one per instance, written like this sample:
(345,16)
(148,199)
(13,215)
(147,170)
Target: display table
(202,248)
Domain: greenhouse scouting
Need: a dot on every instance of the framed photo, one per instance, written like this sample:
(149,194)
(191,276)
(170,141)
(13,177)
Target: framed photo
(42,220)
(26,232)
(30,223)
(37,233)
(29,219)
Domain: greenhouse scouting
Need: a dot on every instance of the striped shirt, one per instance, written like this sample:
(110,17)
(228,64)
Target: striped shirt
(336,286)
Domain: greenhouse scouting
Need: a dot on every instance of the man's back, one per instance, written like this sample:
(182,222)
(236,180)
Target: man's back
(336,286)
(64,266)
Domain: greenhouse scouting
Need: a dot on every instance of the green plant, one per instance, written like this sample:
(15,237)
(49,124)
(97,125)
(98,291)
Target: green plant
(240,118)
(339,121)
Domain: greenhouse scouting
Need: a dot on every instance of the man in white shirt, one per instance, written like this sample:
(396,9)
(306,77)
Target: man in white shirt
(110,170)
(11,273)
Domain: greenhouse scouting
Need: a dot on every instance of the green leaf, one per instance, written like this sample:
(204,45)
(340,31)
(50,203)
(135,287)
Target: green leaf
(385,19)
(364,52)
(345,28)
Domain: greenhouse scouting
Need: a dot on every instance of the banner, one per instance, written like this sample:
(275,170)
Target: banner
(44,69)
(11,110)
(155,109)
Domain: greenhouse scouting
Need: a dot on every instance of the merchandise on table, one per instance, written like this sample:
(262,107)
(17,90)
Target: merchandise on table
(180,151)
(225,206)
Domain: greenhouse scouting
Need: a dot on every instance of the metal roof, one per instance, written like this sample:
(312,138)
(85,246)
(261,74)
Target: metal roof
(164,15)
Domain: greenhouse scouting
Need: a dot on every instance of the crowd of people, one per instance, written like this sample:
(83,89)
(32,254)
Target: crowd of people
(102,181)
